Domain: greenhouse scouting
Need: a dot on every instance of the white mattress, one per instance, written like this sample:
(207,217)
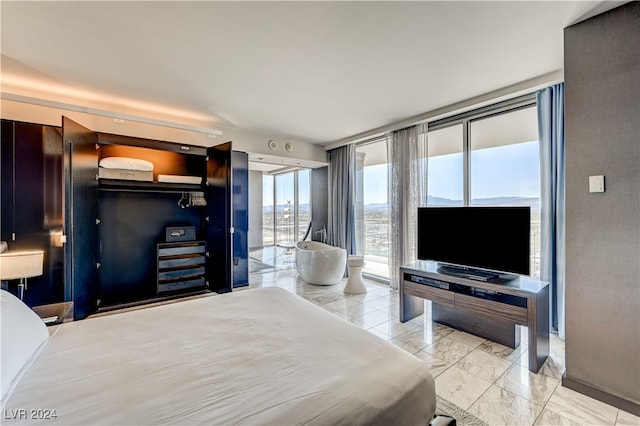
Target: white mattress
(126,163)
(262,356)
(125,174)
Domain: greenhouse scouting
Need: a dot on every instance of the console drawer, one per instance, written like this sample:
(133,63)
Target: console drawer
(437,295)
(489,308)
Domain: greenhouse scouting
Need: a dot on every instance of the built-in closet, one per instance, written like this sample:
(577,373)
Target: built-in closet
(118,252)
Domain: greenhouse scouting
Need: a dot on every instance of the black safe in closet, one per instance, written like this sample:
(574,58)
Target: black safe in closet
(114,226)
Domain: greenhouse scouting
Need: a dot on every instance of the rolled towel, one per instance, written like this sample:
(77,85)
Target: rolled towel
(3,246)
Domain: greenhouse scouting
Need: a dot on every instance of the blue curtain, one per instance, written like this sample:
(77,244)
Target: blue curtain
(552,178)
(342,216)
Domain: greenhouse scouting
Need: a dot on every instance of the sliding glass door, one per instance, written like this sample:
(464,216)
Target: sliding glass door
(286,207)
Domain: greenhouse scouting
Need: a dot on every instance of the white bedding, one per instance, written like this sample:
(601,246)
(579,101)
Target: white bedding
(262,356)
(22,332)
(180,179)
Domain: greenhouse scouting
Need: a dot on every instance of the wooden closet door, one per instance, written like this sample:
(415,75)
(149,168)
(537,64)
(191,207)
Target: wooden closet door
(81,213)
(218,225)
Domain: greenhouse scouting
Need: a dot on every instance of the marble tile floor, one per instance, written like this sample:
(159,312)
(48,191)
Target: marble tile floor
(487,379)
(277,257)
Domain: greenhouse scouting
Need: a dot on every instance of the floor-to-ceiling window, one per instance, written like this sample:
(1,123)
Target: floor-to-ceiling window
(505,167)
(286,207)
(489,156)
(268,211)
(303,214)
(372,208)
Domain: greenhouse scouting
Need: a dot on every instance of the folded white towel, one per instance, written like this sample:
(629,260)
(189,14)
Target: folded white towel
(126,163)
(179,179)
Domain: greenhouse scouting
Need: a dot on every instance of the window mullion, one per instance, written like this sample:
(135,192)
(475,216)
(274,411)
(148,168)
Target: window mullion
(466,159)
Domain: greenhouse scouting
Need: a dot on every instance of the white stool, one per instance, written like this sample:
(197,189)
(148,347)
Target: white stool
(355,283)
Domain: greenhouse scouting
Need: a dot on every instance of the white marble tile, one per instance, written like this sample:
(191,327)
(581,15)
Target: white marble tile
(466,338)
(502,351)
(370,319)
(359,310)
(322,298)
(341,305)
(436,365)
(394,328)
(407,347)
(361,298)
(551,418)
(498,406)
(627,419)
(448,350)
(460,387)
(581,408)
(483,365)
(382,303)
(552,367)
(537,388)
(422,337)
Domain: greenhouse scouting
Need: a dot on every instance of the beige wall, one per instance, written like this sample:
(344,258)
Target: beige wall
(242,140)
(602,83)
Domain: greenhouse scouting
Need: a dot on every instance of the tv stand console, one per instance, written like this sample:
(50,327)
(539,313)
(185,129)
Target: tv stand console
(492,309)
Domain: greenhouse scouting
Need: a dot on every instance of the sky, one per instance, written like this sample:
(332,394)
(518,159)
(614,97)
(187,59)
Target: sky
(509,170)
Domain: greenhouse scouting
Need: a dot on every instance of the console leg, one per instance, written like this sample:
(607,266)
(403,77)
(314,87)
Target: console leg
(410,306)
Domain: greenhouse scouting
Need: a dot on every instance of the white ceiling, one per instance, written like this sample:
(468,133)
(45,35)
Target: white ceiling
(313,71)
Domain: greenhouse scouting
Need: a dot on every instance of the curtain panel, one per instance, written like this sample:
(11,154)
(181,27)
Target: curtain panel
(342,177)
(552,194)
(407,181)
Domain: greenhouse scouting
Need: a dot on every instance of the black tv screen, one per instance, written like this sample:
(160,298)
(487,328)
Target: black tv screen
(490,238)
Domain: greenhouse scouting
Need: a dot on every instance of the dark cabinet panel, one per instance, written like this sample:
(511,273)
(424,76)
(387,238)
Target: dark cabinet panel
(81,186)
(218,226)
(131,226)
(240,184)
(32,206)
(6,181)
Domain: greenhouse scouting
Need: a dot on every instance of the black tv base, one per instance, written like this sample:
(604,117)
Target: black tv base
(470,273)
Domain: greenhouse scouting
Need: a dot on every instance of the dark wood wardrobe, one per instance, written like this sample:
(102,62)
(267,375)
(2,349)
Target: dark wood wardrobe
(114,227)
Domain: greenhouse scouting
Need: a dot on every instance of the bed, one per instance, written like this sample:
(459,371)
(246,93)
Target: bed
(261,356)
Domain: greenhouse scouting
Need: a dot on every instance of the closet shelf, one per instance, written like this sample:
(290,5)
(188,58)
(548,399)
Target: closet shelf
(142,186)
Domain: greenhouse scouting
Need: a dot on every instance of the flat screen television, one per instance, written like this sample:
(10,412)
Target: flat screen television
(466,240)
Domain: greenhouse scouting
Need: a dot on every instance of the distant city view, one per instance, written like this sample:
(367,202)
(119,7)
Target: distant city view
(376,227)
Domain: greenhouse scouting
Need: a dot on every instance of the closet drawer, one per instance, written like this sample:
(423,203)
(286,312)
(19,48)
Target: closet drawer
(181,265)
(179,273)
(169,249)
(186,260)
(181,285)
